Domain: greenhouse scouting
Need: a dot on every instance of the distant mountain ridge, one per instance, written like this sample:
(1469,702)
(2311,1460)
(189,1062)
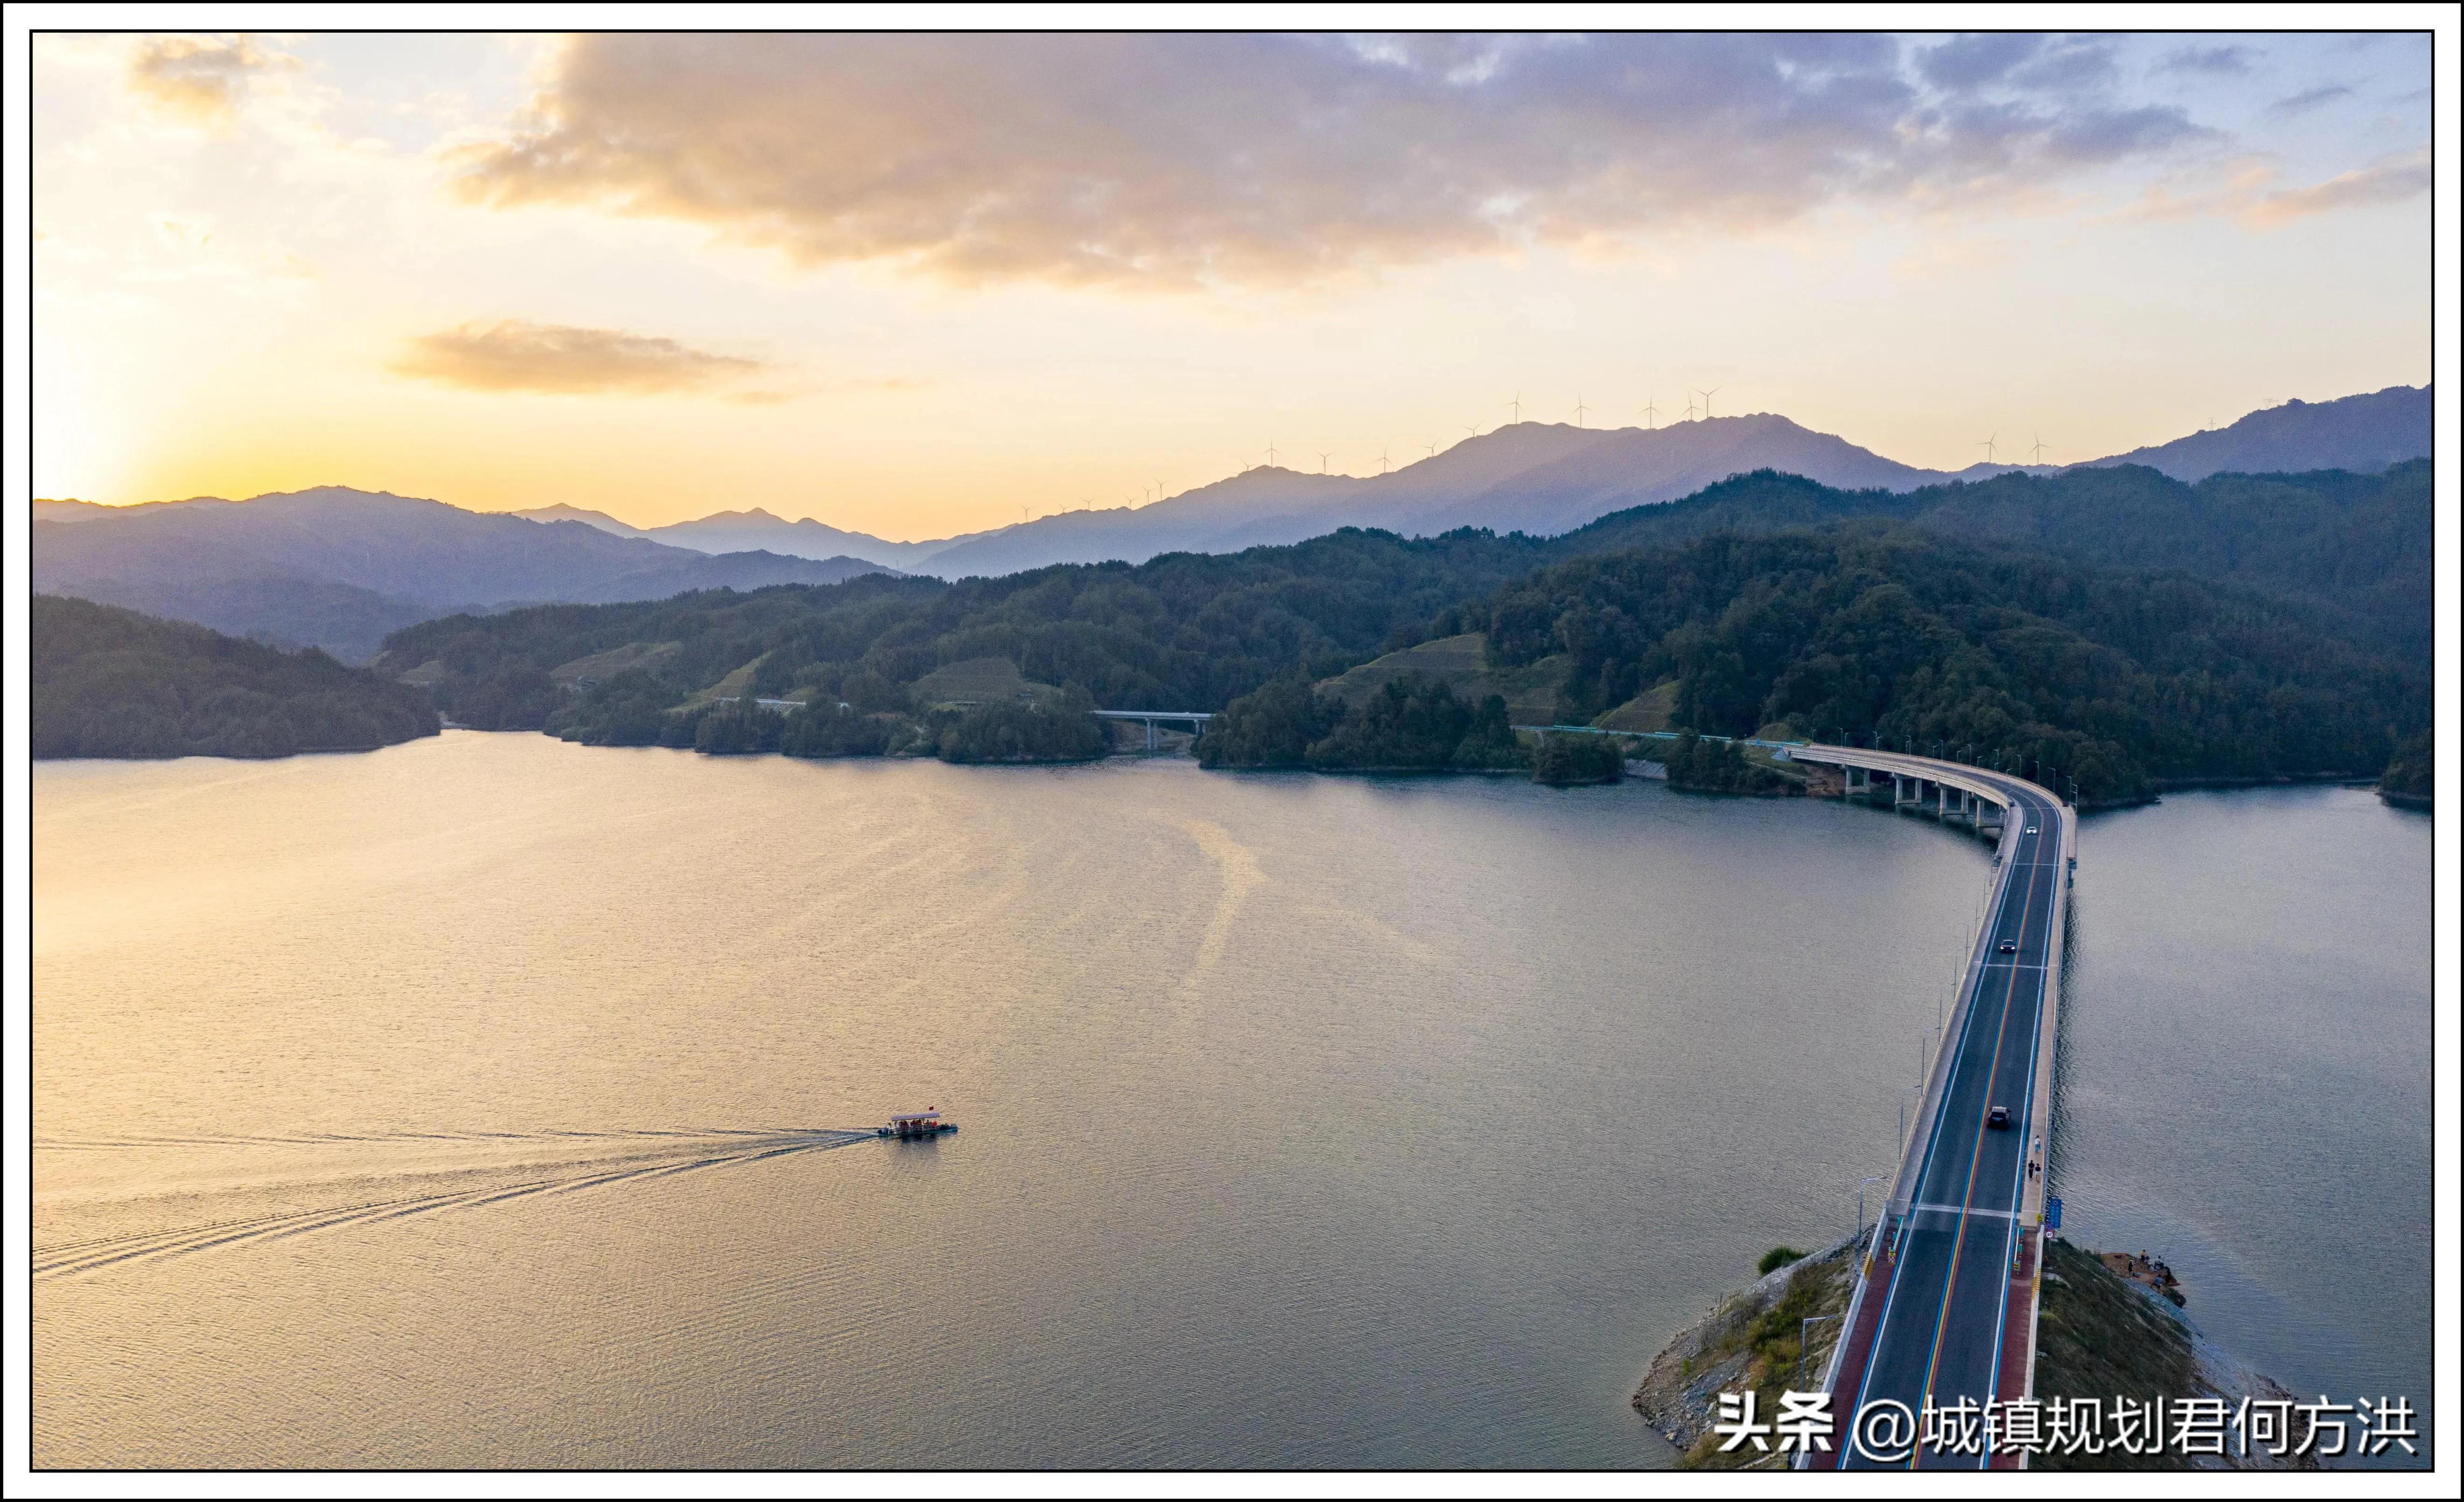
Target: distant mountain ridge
(339,568)
(1548,478)
(758,530)
(2366,434)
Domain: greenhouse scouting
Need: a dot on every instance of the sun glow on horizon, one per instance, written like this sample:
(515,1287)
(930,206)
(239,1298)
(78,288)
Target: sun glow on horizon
(264,266)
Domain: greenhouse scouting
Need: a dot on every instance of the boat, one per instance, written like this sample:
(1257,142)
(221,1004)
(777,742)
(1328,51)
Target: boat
(908,1124)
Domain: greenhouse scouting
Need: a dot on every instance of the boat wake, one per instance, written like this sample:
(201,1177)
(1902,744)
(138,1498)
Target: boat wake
(230,1203)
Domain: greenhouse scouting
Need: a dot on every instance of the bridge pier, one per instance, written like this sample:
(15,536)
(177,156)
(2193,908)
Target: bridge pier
(1195,721)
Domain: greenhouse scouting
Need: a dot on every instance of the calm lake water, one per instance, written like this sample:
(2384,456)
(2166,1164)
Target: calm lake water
(483,1101)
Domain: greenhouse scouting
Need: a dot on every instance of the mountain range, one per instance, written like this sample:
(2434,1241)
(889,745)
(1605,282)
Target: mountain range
(1543,479)
(341,568)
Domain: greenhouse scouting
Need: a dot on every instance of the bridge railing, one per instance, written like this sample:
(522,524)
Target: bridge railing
(1657,736)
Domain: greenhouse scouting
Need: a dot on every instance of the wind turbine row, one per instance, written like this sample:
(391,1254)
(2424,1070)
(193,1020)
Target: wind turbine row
(2036,450)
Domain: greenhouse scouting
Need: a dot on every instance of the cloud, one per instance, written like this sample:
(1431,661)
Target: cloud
(199,79)
(512,356)
(2304,102)
(1185,159)
(2247,191)
(2389,180)
(1978,58)
(2232,61)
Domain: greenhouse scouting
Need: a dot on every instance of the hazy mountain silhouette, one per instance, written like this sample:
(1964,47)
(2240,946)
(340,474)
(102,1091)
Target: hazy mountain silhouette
(1547,478)
(2365,434)
(1541,478)
(732,532)
(560,511)
(758,530)
(339,568)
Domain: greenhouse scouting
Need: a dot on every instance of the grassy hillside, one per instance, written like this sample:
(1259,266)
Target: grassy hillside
(1461,663)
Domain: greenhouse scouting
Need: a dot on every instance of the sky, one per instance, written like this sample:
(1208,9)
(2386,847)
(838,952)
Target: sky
(921,285)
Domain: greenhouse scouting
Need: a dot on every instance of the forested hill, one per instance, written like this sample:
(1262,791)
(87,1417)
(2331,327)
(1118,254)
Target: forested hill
(1867,627)
(2359,545)
(1184,631)
(2117,678)
(108,682)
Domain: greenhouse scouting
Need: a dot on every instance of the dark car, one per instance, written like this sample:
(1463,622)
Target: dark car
(2008,946)
(1999,1118)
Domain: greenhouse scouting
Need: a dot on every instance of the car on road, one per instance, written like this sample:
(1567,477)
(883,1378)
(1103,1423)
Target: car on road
(2007,947)
(2032,829)
(1998,1119)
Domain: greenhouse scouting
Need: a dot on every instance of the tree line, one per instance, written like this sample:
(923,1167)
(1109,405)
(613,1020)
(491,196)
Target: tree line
(2116,679)
(2011,619)
(107,682)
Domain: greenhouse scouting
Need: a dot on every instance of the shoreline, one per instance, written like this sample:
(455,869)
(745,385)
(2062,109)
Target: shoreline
(1643,770)
(2105,1335)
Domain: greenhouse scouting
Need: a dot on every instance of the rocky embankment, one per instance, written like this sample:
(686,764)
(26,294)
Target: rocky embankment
(2100,1335)
(1750,1341)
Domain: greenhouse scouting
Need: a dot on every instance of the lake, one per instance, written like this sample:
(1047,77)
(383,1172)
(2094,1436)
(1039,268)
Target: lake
(493,1101)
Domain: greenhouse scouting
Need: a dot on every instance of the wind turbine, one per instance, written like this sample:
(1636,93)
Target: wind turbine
(2037,450)
(1431,448)
(1381,459)
(1650,409)
(1579,409)
(1689,409)
(1271,452)
(1323,454)
(1517,405)
(1706,396)
(1987,445)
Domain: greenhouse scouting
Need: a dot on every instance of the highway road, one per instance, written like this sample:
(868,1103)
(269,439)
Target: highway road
(1955,1263)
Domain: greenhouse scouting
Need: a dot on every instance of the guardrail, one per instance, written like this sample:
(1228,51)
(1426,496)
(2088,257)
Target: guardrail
(1657,736)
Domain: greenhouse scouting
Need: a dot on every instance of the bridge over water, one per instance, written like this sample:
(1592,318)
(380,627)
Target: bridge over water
(1946,1303)
(1195,721)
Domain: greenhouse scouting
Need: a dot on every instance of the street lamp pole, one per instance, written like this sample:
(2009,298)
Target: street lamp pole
(1804,1329)
(1870,1178)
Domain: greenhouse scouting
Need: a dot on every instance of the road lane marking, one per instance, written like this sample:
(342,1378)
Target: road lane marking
(2019,1169)
(1975,1158)
(2028,848)
(1934,1139)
